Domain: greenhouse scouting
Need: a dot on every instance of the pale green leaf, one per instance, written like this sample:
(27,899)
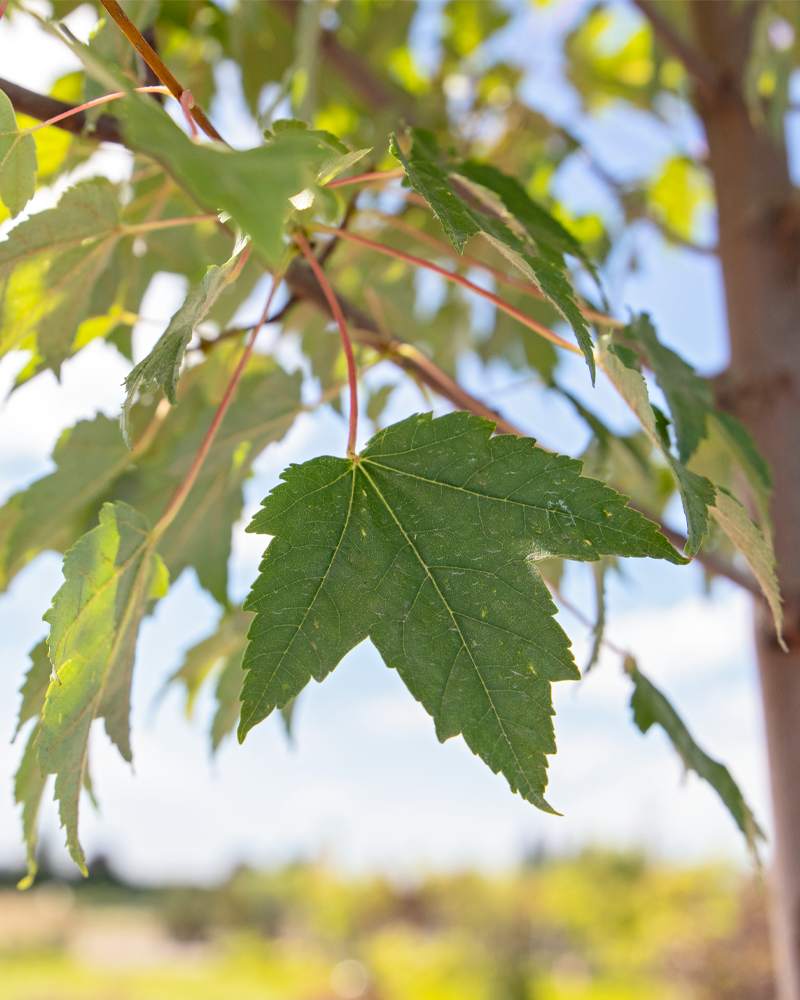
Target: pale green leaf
(749,540)
(212,653)
(336,166)
(696,492)
(689,396)
(55,511)
(37,680)
(29,785)
(111,575)
(49,266)
(162,365)
(17,161)
(650,706)
(428,545)
(228,694)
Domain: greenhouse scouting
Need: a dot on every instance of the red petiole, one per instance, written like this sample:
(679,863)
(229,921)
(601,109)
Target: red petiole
(338,315)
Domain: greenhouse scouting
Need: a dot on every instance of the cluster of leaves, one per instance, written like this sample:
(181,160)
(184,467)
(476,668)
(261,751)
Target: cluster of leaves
(436,540)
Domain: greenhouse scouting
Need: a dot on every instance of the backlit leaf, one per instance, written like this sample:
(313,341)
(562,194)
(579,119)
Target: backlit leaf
(750,541)
(696,492)
(227,179)
(162,365)
(111,575)
(29,785)
(37,680)
(428,545)
(17,161)
(650,706)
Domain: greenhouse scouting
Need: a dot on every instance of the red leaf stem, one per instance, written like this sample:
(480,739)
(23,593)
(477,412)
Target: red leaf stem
(338,315)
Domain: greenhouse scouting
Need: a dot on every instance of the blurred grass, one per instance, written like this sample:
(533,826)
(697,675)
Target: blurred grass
(602,926)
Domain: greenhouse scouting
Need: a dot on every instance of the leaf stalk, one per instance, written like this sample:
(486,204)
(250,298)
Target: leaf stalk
(153,60)
(338,315)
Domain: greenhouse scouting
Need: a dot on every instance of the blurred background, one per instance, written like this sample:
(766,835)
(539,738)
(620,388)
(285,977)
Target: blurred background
(359,857)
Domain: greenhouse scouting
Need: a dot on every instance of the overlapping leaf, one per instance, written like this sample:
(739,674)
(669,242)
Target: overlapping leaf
(111,576)
(699,495)
(28,781)
(428,545)
(17,161)
(94,465)
(222,654)
(697,492)
(162,365)
(650,706)
(49,266)
(227,179)
(463,213)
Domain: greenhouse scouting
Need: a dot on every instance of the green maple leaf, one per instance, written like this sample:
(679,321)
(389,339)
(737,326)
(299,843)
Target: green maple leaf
(428,545)
(49,266)
(111,576)
(227,179)
(651,707)
(461,216)
(162,365)
(18,163)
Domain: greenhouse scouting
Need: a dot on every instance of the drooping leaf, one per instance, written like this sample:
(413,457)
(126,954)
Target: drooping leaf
(29,785)
(428,545)
(266,403)
(37,680)
(689,396)
(201,660)
(697,492)
(692,406)
(550,236)
(227,179)
(55,511)
(749,540)
(462,217)
(162,365)
(95,465)
(17,161)
(228,694)
(650,706)
(111,575)
(48,268)
(599,574)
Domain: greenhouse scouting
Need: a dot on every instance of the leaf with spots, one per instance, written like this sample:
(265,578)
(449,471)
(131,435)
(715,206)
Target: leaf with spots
(428,544)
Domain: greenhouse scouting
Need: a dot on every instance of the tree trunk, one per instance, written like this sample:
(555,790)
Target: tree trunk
(759,246)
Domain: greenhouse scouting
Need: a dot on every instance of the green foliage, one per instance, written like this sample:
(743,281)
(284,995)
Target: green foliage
(112,574)
(17,161)
(162,365)
(423,543)
(464,212)
(428,544)
(650,706)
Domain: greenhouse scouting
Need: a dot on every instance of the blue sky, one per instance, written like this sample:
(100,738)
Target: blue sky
(365,784)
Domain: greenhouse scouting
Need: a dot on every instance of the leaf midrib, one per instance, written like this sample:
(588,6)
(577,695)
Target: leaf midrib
(452,614)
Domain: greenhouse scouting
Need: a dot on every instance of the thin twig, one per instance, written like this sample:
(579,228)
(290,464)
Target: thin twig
(153,60)
(336,309)
(373,177)
(697,65)
(450,251)
(90,104)
(148,227)
(456,279)
(107,128)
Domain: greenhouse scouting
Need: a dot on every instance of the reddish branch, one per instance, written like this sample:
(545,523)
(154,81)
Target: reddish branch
(338,315)
(153,60)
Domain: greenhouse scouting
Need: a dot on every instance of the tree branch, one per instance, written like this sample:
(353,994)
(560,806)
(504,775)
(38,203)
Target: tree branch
(105,129)
(696,64)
